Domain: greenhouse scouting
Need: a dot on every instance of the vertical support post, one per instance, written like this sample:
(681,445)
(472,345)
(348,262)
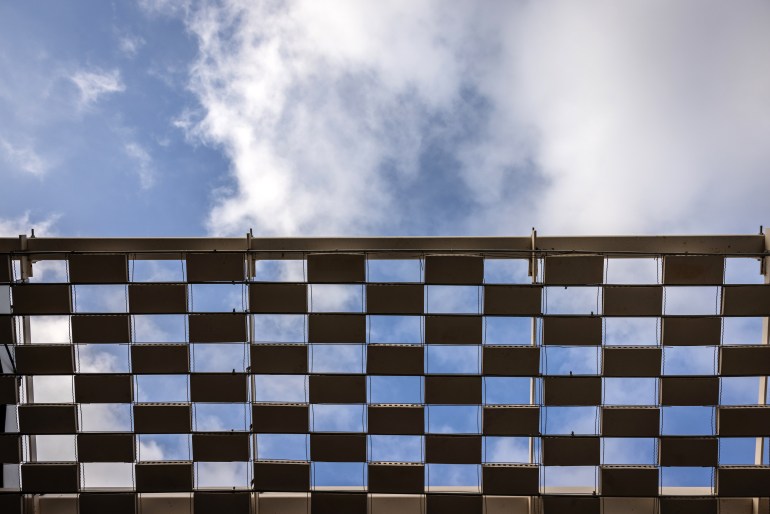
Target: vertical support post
(25,268)
(759,448)
(533,341)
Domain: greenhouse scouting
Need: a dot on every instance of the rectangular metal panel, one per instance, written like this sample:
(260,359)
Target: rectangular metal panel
(689,451)
(10,449)
(396,478)
(219,387)
(454,504)
(453,329)
(454,269)
(215,267)
(631,361)
(338,447)
(693,269)
(280,418)
(336,268)
(750,300)
(220,447)
(98,268)
(52,359)
(6,276)
(744,361)
(337,389)
(689,391)
(513,300)
(571,451)
(572,390)
(692,331)
(629,481)
(684,505)
(112,328)
(338,503)
(157,298)
(218,328)
(7,330)
(162,419)
(231,502)
(41,299)
(47,419)
(278,298)
(453,449)
(396,419)
(633,300)
(574,270)
(50,478)
(512,420)
(395,298)
(106,448)
(160,358)
(571,505)
(513,361)
(93,388)
(9,389)
(743,481)
(743,421)
(517,480)
(164,477)
(630,421)
(279,358)
(572,330)
(112,503)
(337,328)
(453,390)
(282,476)
(390,359)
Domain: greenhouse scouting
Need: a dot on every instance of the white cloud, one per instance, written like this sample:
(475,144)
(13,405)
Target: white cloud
(12,227)
(96,83)
(23,157)
(144,164)
(130,44)
(641,116)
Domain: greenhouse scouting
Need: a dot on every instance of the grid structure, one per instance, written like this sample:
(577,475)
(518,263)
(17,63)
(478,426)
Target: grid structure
(525,485)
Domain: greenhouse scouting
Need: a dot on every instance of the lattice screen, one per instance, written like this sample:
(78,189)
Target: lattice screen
(520,353)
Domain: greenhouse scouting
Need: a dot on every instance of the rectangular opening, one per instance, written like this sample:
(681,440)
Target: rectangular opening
(689,360)
(280,388)
(396,448)
(700,477)
(394,270)
(220,417)
(102,358)
(282,447)
(739,390)
(112,475)
(508,330)
(630,391)
(506,271)
(338,418)
(163,447)
(453,477)
(219,357)
(49,329)
(452,359)
(100,298)
(629,451)
(742,270)
(568,420)
(147,270)
(394,329)
(633,271)
(217,297)
(395,389)
(692,300)
(584,300)
(691,420)
(228,475)
(281,270)
(339,474)
(162,388)
(453,299)
(279,328)
(571,360)
(336,298)
(583,477)
(507,390)
(631,331)
(337,358)
(453,419)
(506,450)
(52,389)
(105,417)
(161,328)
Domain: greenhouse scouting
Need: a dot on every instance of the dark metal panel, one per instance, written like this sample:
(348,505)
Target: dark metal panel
(630,421)
(41,299)
(10,449)
(336,268)
(751,300)
(337,503)
(574,270)
(231,502)
(279,359)
(220,447)
(689,391)
(6,276)
(743,421)
(50,478)
(282,476)
(692,331)
(454,504)
(640,481)
(164,477)
(685,505)
(396,419)
(106,448)
(7,330)
(396,478)
(160,358)
(54,359)
(395,298)
(112,328)
(219,387)
(572,330)
(337,328)
(98,268)
(512,420)
(513,300)
(571,451)
(453,449)
(744,361)
(215,267)
(453,390)
(337,389)
(101,503)
(693,269)
(157,298)
(454,269)
(218,328)
(571,504)
(93,388)
(514,361)
(743,481)
(631,361)
(47,419)
(453,329)
(689,451)
(9,389)
(510,480)
(572,390)
(162,419)
(269,298)
(633,300)
(280,418)
(389,359)
(338,447)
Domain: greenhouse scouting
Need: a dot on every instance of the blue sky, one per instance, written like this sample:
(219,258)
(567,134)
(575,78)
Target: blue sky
(293,118)
(174,118)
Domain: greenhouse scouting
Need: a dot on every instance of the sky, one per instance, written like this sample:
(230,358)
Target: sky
(155,118)
(196,118)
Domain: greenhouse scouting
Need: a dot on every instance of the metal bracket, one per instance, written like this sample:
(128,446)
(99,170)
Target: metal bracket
(532,272)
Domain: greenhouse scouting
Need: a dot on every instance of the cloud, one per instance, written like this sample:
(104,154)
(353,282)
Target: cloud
(96,83)
(23,157)
(12,227)
(413,117)
(130,44)
(144,163)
